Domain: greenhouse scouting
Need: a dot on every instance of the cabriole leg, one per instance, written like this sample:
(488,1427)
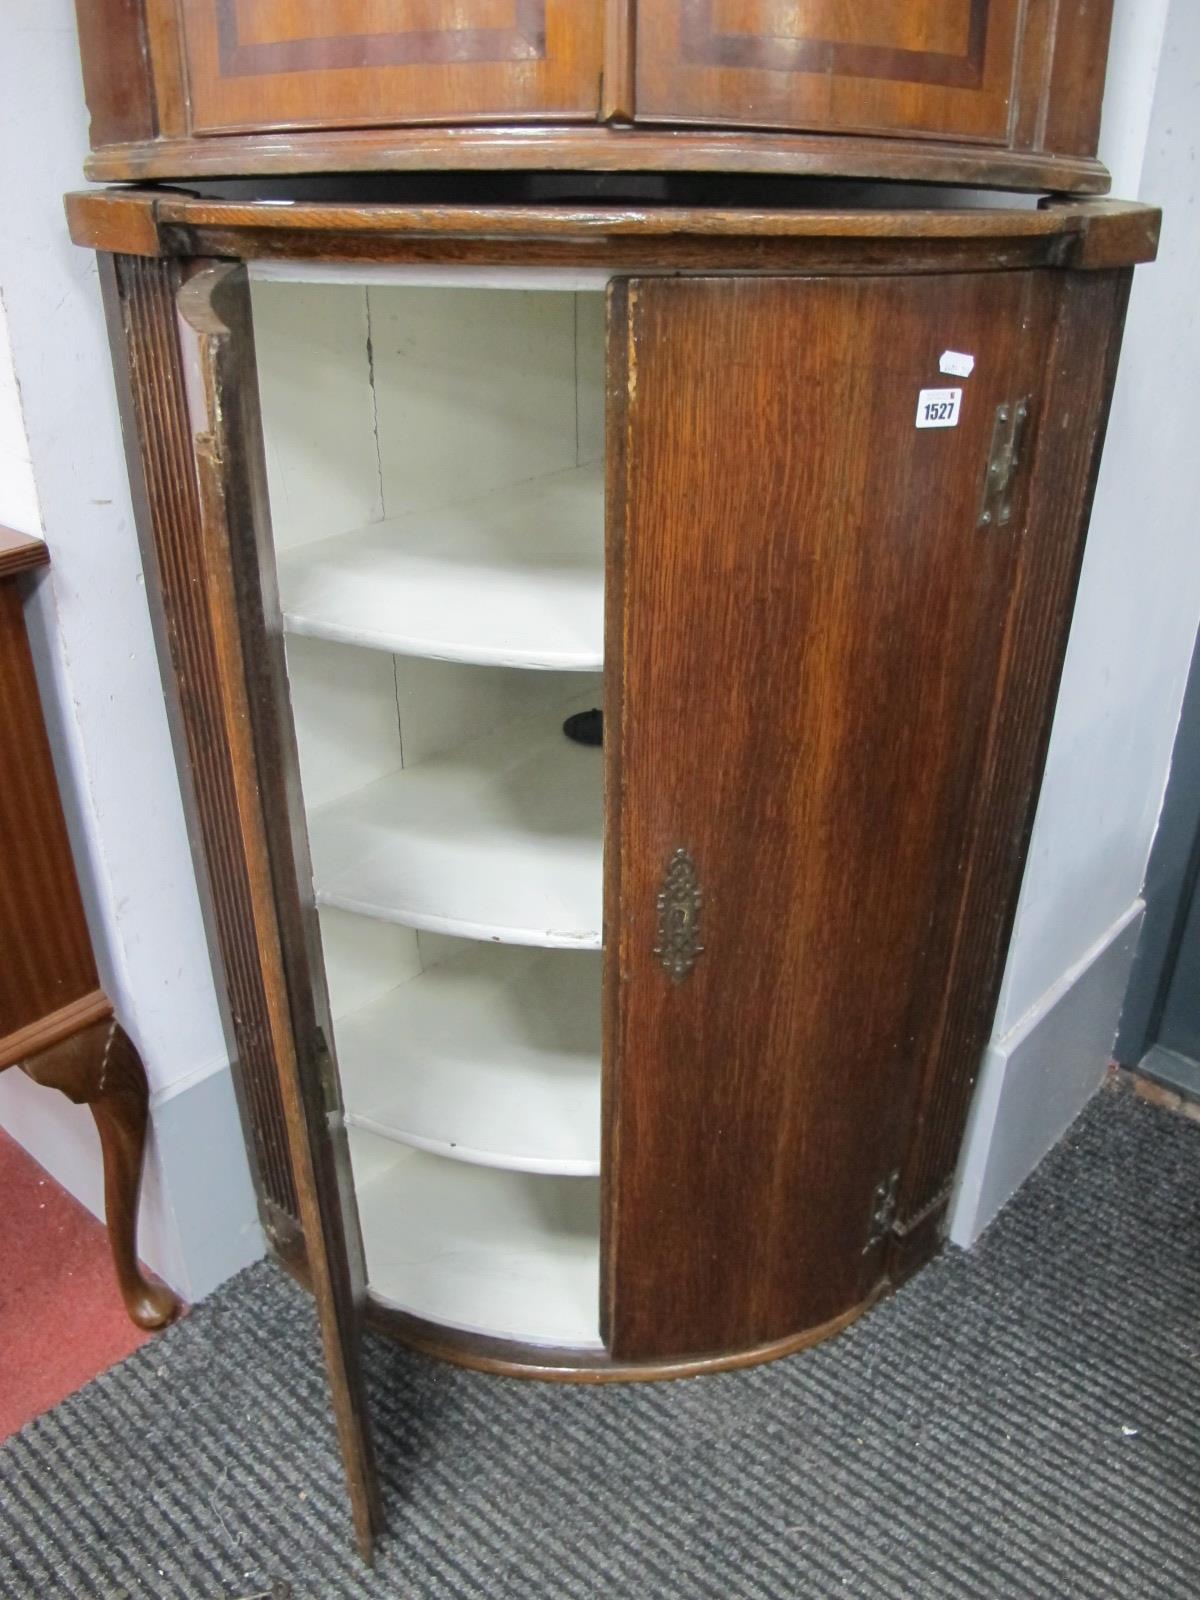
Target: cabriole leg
(100,1068)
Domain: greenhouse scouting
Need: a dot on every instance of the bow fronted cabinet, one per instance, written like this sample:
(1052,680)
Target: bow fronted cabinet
(623,1045)
(999,92)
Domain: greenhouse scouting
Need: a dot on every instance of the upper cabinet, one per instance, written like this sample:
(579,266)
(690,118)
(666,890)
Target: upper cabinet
(350,63)
(938,68)
(1001,93)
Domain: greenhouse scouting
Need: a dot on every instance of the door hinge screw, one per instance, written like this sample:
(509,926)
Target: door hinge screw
(883,1210)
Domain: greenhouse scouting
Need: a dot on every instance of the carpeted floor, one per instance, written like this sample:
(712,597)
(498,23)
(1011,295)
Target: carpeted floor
(1021,1423)
(56,1272)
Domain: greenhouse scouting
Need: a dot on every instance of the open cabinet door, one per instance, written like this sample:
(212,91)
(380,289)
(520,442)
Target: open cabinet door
(185,364)
(807,621)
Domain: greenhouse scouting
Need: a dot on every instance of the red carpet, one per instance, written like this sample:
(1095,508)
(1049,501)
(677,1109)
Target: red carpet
(61,1318)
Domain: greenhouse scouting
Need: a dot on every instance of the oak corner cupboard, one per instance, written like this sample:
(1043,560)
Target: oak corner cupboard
(612,654)
(996,92)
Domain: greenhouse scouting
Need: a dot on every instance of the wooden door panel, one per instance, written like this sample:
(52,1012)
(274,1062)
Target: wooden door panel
(933,67)
(256,801)
(256,64)
(804,634)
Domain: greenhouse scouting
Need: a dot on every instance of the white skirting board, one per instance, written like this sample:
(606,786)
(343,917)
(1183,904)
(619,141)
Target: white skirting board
(1038,1077)
(197,1221)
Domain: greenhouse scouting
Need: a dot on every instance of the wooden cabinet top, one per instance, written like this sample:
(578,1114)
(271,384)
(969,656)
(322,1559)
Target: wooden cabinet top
(1079,235)
(1001,93)
(19,552)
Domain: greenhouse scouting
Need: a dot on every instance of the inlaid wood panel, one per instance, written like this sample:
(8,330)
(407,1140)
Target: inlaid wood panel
(788,548)
(933,67)
(255,64)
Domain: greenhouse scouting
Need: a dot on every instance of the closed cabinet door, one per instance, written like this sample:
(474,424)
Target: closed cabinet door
(258,64)
(940,68)
(807,616)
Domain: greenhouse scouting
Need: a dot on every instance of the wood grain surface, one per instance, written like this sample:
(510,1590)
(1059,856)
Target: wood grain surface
(117,77)
(254,733)
(548,1364)
(140,305)
(938,67)
(20,552)
(47,971)
(826,683)
(807,625)
(98,1066)
(1080,369)
(621,237)
(1071,104)
(290,65)
(563,148)
(56,1022)
(966,91)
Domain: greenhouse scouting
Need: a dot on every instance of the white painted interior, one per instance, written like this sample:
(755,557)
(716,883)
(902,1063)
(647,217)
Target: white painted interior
(512,578)
(387,274)
(440,558)
(453,507)
(100,682)
(1138,607)
(499,838)
(314,379)
(472,1247)
(459,1058)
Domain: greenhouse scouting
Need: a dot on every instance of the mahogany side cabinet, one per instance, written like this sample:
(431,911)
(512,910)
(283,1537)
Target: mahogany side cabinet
(627,1060)
(56,1022)
(998,92)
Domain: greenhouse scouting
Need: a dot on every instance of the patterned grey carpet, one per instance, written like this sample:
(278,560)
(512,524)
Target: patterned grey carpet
(1021,1423)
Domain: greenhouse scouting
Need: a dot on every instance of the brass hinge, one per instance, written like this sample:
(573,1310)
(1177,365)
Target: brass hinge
(1008,436)
(331,1098)
(883,1210)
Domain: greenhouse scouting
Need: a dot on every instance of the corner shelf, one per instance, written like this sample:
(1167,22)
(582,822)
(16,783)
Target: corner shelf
(491,1058)
(501,1254)
(499,838)
(515,579)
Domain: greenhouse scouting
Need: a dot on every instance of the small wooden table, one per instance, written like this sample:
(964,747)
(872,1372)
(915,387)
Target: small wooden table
(56,1022)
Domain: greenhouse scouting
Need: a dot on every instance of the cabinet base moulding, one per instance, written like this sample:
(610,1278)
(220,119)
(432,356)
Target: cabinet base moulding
(510,1359)
(565,149)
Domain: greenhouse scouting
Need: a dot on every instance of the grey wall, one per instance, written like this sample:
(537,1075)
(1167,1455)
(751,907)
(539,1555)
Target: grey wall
(1131,641)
